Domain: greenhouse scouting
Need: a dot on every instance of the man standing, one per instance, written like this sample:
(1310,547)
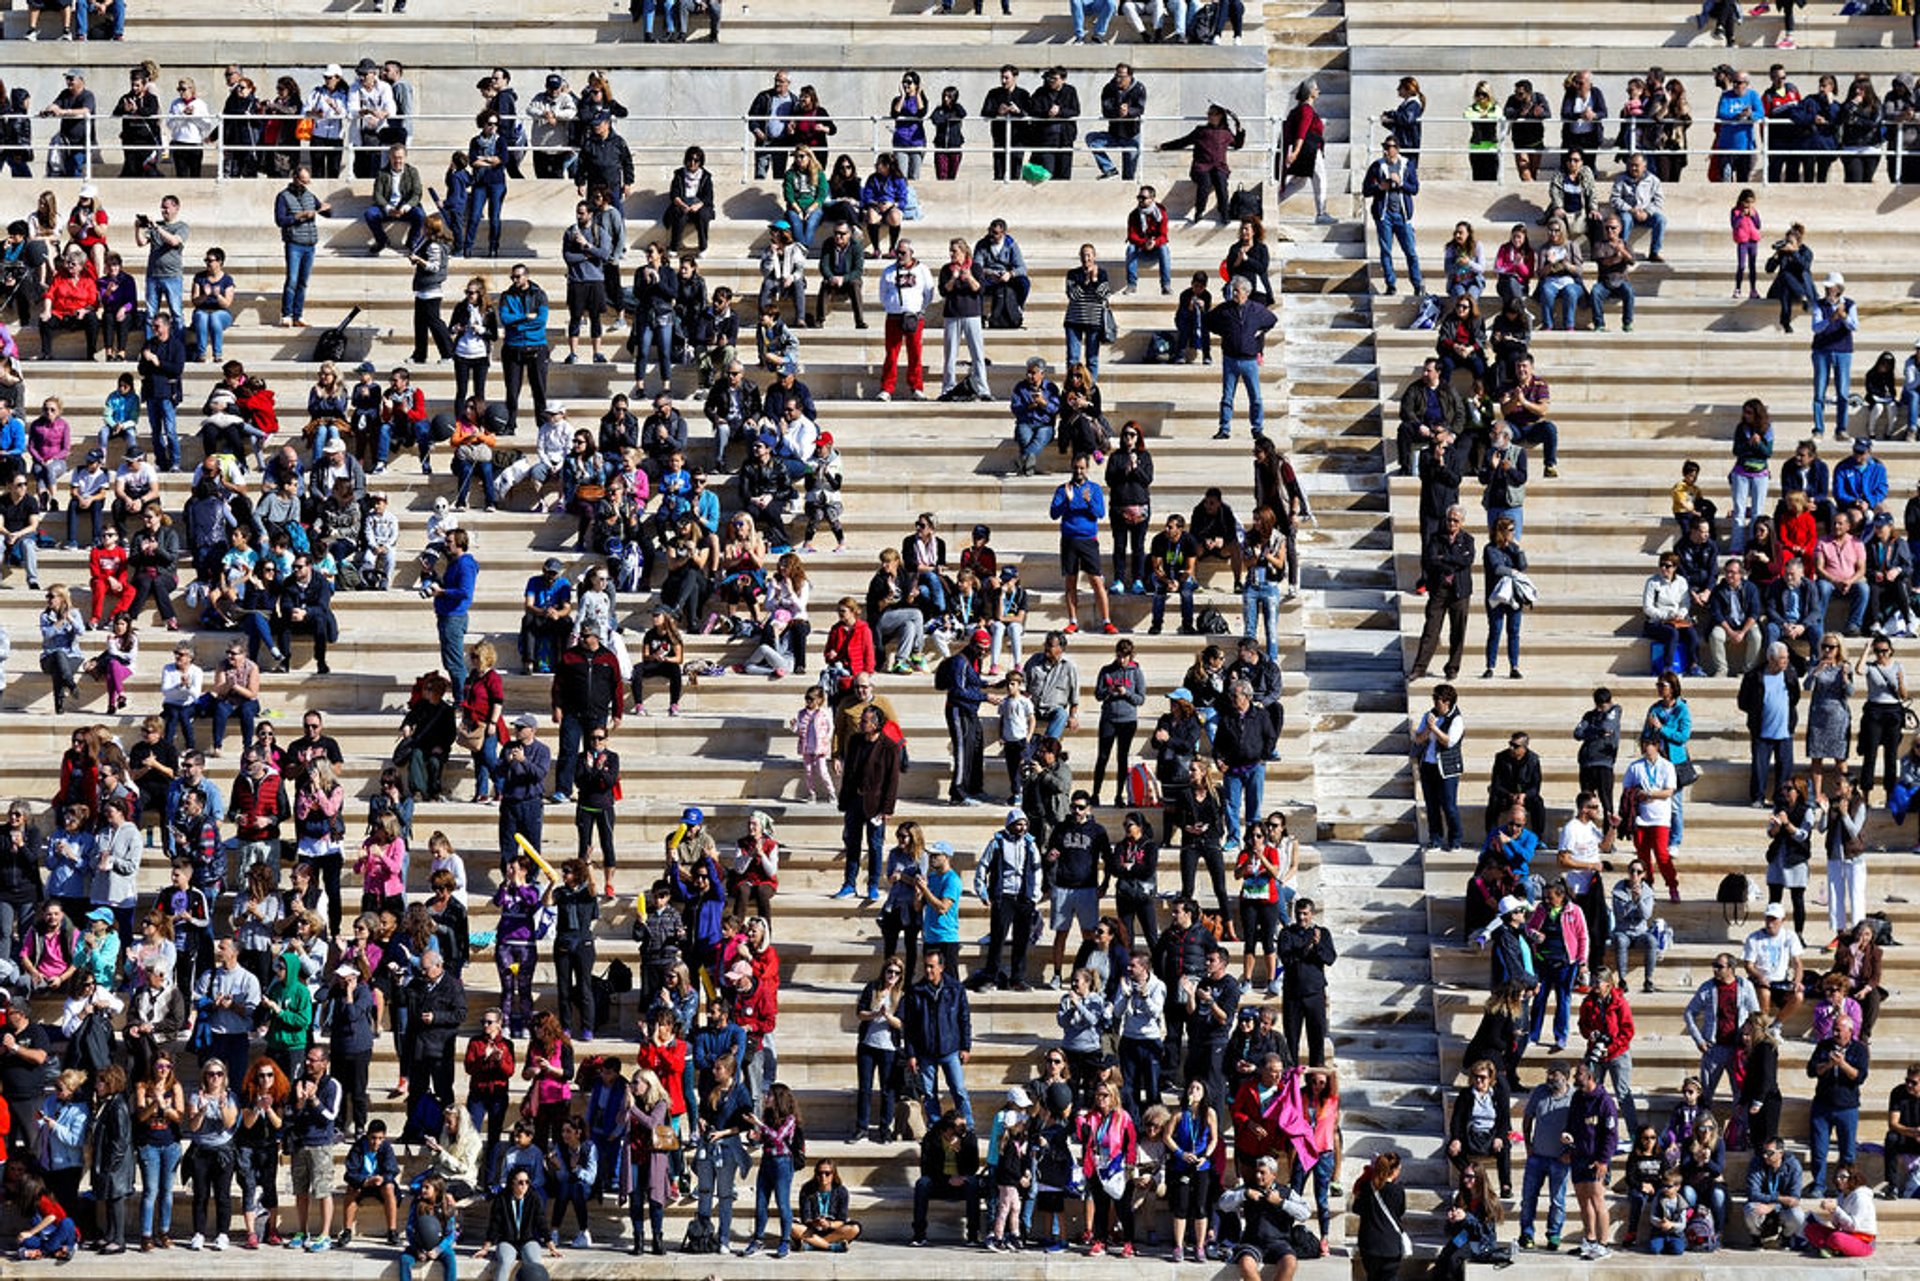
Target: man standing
(452,600)
(605,161)
(1390,185)
(551,114)
(1077,852)
(163,361)
(1005,108)
(400,124)
(1593,1126)
(586,697)
(1123,101)
(1306,950)
(1243,738)
(1446,563)
(1080,505)
(523,786)
(1210,1001)
(165,242)
(1714,1018)
(869,790)
(1545,1125)
(1179,958)
(1008,879)
(437,1005)
(906,287)
(397,195)
(767,123)
(938,1023)
(1834,322)
(311,1136)
(139,113)
(1242,326)
(294,212)
(523,344)
(226,996)
(1770,697)
(959,676)
(1838,1067)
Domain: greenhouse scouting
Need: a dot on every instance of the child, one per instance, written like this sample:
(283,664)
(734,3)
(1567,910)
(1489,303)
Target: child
(440,846)
(1668,1234)
(1012,1176)
(459,193)
(1016,731)
(779,350)
(676,490)
(823,481)
(1009,619)
(1745,219)
(813,730)
(443,522)
(1883,390)
(1647,1171)
(979,555)
(379,538)
(121,417)
(1190,321)
(50,1233)
(658,929)
(1688,503)
(363,408)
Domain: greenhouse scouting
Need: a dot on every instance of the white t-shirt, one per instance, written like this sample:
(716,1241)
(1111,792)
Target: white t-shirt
(1773,954)
(1645,774)
(1581,840)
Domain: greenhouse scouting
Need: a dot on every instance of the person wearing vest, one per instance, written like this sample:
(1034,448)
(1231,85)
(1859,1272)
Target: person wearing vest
(1008,880)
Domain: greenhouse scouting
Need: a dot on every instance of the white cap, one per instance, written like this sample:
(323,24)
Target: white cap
(1512,903)
(1776,912)
(1834,280)
(333,69)
(88,191)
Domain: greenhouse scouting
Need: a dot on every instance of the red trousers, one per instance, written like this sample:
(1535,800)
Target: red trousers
(111,597)
(916,370)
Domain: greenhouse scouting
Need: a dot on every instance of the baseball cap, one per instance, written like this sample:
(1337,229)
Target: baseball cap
(1834,279)
(552,565)
(95,456)
(1019,1098)
(981,531)
(88,191)
(692,816)
(1511,904)
(554,82)
(334,72)
(1009,572)
(1861,445)
(826,437)
(526,720)
(102,914)
(1179,696)
(1776,911)
(981,636)
(365,65)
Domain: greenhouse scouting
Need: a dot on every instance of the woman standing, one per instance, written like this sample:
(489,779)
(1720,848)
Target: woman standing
(1381,1204)
(212,1113)
(949,135)
(474,329)
(781,1143)
(159,1104)
(1751,474)
(909,113)
(1829,718)
(1211,141)
(1559,934)
(256,1140)
(900,917)
(1436,742)
(1130,505)
(1501,559)
(487,152)
(1191,1144)
(651,1141)
(550,1069)
(720,1156)
(483,707)
(319,818)
(1202,821)
(1264,556)
(1403,122)
(429,261)
(1670,722)
(1304,150)
(111,1155)
(1087,315)
(1110,1146)
(878,1030)
(1843,819)
(1120,689)
(1881,723)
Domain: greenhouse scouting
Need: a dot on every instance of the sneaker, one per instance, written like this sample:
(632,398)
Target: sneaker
(751,1248)
(318,1245)
(1552,473)
(343,1238)
(1600,1251)
(1109,629)
(845,891)
(582,1240)
(1526,1241)
(252,1242)
(1097,1248)
(298,1241)
(198,1242)
(393,1239)
(1553,1242)
(221,1242)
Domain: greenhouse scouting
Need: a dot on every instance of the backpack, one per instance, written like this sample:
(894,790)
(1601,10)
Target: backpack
(1732,897)
(1160,348)
(1143,789)
(1211,622)
(1204,26)
(1246,202)
(943,676)
(1700,1236)
(1428,314)
(1882,929)
(700,1238)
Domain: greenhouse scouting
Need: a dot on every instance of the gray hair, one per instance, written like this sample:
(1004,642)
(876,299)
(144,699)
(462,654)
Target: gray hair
(1307,89)
(1777,650)
(1240,288)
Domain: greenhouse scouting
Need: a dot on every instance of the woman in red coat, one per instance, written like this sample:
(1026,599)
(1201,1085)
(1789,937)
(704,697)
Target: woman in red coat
(850,649)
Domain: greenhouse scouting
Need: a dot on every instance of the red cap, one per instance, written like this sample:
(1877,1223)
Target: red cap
(982,636)
(825,438)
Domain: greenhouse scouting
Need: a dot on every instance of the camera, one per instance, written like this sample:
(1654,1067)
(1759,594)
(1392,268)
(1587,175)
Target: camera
(1597,1046)
(142,220)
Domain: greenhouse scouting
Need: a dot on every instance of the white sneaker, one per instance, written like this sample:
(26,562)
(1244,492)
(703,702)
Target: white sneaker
(581,1240)
(198,1243)
(220,1242)
(885,395)
(1601,1251)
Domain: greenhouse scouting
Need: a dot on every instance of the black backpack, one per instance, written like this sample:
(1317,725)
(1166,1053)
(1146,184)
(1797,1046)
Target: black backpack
(1204,26)
(700,1238)
(1247,202)
(1732,897)
(1211,622)
(1882,929)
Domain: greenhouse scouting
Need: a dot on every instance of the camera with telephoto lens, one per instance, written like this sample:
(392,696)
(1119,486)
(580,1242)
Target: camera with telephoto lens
(1597,1046)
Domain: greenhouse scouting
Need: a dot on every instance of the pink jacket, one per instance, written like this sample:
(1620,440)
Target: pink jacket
(384,868)
(1109,1142)
(813,728)
(1573,929)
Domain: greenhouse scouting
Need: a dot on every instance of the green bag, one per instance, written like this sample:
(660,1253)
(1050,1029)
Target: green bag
(1035,174)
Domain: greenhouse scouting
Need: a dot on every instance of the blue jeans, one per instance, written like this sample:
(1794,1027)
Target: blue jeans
(874,1067)
(1601,292)
(377,219)
(776,1180)
(209,325)
(1101,141)
(1656,222)
(1235,370)
(177,716)
(1510,620)
(857,830)
(157,1166)
(806,225)
(1391,227)
(1163,255)
(1260,604)
(1554,291)
(1030,440)
(453,647)
(489,196)
(167,290)
(293,294)
(1553,1174)
(1187,588)
(223,711)
(1716,1206)
(1855,597)
(1554,981)
(655,341)
(465,473)
(486,767)
(1101,11)
(1835,367)
(955,1071)
(449,1262)
(1846,1121)
(1910,404)
(1749,503)
(1084,344)
(1246,784)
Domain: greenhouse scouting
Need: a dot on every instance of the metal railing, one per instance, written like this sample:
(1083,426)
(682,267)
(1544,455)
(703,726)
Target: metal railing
(263,144)
(1765,163)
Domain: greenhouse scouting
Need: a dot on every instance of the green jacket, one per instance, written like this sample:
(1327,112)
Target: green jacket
(289,1026)
(410,191)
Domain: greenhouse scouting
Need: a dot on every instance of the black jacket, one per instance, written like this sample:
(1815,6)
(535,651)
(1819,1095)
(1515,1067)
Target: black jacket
(604,162)
(447,1002)
(1243,738)
(1510,778)
(531,1226)
(1447,563)
(1056,131)
(1306,960)
(1751,701)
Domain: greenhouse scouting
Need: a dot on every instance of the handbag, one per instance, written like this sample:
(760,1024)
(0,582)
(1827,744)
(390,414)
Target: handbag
(1393,1221)
(1109,327)
(1134,514)
(911,321)
(666,1139)
(471,734)
(1685,774)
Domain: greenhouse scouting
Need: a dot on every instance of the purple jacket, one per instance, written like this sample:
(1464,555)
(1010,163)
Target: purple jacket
(1593,1121)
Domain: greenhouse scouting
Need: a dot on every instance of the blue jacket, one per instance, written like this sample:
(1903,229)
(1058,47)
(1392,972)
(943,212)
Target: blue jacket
(523,316)
(456,589)
(1736,114)
(1079,509)
(1766,1187)
(363,1164)
(1858,480)
(162,381)
(937,1020)
(1720,603)
(1032,406)
(965,688)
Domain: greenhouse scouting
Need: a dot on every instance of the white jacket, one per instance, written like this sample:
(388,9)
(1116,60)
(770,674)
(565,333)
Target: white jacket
(906,291)
(1662,601)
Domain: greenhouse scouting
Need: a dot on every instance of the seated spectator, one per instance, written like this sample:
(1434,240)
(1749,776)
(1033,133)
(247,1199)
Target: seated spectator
(1841,569)
(949,1171)
(517,1236)
(1571,200)
(842,262)
(71,301)
(783,272)
(1560,290)
(372,1172)
(820,1220)
(689,200)
(1736,632)
(1613,260)
(398,197)
(1845,1225)
(884,200)
(1772,961)
(1639,202)
(1773,1207)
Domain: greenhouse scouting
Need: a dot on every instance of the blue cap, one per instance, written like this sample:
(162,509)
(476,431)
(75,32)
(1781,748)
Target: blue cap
(692,816)
(941,847)
(1180,696)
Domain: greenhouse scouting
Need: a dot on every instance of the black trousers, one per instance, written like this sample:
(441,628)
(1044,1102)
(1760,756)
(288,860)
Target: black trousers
(1013,915)
(1310,1013)
(573,975)
(969,769)
(1442,605)
(526,365)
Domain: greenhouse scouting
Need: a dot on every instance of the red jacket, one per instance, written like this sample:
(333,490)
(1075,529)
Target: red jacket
(1147,226)
(108,565)
(852,647)
(486,1077)
(1613,1017)
(761,1008)
(256,402)
(71,295)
